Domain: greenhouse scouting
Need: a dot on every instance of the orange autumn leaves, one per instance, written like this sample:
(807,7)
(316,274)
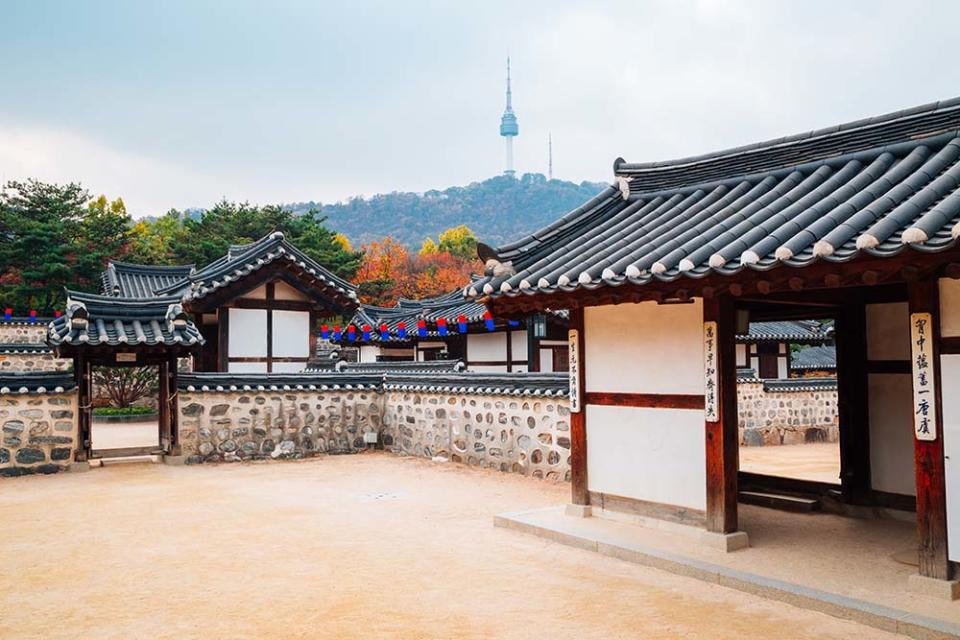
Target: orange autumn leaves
(389,271)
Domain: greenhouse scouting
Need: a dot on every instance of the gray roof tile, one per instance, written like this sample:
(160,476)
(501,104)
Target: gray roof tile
(874,187)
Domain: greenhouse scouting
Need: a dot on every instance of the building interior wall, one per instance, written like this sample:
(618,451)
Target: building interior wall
(950,382)
(649,454)
(889,397)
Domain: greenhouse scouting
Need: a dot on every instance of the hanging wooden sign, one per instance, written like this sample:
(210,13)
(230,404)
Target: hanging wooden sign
(574,369)
(924,375)
(711,374)
(126,357)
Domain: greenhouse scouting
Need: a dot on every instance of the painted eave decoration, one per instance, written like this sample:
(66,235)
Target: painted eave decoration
(874,187)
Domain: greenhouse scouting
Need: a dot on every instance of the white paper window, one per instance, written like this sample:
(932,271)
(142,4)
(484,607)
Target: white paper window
(291,334)
(248,333)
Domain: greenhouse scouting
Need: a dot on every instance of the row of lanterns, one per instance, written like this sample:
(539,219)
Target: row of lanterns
(337,332)
(32,318)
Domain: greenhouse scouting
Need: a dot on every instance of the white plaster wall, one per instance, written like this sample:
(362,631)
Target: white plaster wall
(288,367)
(891,433)
(742,354)
(487,346)
(519,345)
(260,293)
(248,333)
(369,353)
(496,368)
(950,379)
(782,368)
(291,334)
(546,360)
(645,348)
(520,368)
(283,291)
(656,455)
(247,367)
(888,331)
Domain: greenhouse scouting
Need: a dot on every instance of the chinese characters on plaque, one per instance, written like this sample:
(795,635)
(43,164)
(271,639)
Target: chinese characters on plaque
(574,370)
(710,372)
(924,374)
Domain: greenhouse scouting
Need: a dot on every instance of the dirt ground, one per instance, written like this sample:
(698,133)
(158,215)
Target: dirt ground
(815,461)
(363,546)
(108,435)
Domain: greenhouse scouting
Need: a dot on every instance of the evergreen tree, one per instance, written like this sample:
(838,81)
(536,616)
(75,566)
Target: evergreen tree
(40,225)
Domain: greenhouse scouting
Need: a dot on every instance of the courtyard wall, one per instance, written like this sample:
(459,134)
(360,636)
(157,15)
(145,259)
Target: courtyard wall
(511,422)
(23,347)
(38,424)
(776,412)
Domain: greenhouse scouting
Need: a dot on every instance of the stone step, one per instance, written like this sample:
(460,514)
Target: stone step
(127,452)
(779,501)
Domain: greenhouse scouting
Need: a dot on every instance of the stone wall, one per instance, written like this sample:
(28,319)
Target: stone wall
(17,332)
(38,432)
(33,355)
(35,362)
(519,434)
(775,414)
(228,426)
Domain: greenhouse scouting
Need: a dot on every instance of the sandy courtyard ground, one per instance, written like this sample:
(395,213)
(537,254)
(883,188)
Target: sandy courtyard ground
(815,461)
(120,435)
(363,546)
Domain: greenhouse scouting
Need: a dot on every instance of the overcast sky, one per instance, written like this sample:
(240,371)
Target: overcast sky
(178,103)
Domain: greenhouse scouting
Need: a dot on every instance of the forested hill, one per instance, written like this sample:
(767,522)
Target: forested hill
(498,210)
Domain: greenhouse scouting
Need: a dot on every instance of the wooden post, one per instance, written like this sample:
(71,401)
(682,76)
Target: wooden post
(223,339)
(853,409)
(172,372)
(578,421)
(722,442)
(163,406)
(84,440)
(928,454)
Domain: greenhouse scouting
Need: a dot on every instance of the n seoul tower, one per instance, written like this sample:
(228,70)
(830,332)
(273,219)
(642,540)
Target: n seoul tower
(508,126)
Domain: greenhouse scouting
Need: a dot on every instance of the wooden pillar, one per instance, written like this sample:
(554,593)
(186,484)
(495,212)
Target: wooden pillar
(722,442)
(853,406)
(163,406)
(223,339)
(172,372)
(928,454)
(82,376)
(533,348)
(312,345)
(578,420)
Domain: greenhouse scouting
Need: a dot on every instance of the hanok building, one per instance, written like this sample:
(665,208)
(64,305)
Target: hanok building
(765,347)
(857,222)
(447,327)
(252,310)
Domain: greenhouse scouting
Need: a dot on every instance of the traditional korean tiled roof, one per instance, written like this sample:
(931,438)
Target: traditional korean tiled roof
(36,382)
(796,385)
(874,187)
(786,331)
(242,260)
(814,358)
(141,281)
(472,382)
(94,320)
(519,384)
(18,320)
(253,382)
(449,306)
(402,367)
(24,349)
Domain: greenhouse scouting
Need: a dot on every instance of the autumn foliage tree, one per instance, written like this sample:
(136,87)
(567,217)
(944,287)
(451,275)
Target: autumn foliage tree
(390,272)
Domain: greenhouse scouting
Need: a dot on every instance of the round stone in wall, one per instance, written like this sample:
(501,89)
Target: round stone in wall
(228,446)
